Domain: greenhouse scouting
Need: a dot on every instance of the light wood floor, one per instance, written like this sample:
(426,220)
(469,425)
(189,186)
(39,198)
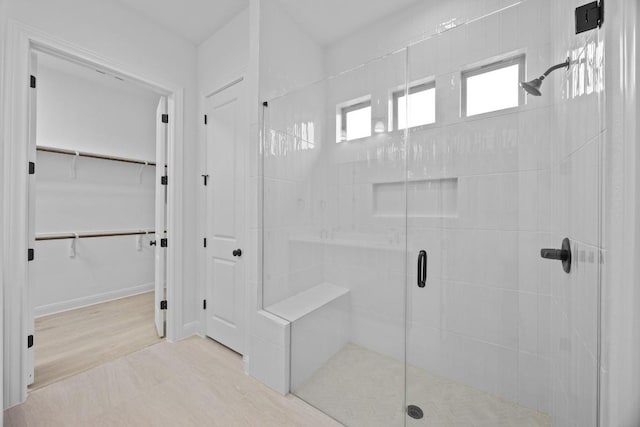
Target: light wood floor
(195,382)
(77,340)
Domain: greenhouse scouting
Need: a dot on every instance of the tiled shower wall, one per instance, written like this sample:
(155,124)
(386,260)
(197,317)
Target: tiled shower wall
(494,314)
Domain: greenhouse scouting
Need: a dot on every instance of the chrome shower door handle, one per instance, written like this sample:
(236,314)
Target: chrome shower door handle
(422,269)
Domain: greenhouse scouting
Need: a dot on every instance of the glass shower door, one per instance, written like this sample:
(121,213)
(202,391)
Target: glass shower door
(334,241)
(497,335)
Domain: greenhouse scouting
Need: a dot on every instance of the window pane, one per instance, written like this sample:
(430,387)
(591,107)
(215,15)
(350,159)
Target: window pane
(358,123)
(422,108)
(493,90)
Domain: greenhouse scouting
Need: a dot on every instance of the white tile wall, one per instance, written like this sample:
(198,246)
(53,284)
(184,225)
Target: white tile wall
(270,350)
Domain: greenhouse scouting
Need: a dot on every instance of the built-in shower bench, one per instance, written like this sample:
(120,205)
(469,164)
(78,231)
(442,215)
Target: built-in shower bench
(299,305)
(319,327)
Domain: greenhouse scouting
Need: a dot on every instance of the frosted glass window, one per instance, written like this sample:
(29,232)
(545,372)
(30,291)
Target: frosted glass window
(356,121)
(422,106)
(493,87)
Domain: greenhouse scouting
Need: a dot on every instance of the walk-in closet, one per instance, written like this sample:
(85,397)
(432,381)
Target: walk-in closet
(95,204)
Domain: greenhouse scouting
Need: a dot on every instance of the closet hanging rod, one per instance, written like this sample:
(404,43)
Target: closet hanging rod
(93,155)
(63,236)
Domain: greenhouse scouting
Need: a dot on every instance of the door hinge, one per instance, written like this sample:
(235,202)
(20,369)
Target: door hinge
(30,254)
(32,82)
(163,243)
(29,341)
(205,119)
(205,242)
(32,168)
(589,16)
(164,180)
(163,304)
(165,118)
(204,304)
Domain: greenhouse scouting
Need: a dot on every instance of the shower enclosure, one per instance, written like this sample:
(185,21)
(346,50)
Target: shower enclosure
(405,205)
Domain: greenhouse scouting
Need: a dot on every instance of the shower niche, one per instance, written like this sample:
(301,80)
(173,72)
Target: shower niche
(434,198)
(354,188)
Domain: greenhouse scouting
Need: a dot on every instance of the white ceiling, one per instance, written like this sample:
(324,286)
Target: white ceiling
(328,21)
(195,20)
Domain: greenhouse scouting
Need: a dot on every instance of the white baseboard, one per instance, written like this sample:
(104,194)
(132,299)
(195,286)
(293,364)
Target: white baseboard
(190,329)
(58,307)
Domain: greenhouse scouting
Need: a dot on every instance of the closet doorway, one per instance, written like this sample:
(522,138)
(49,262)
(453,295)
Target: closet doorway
(97,218)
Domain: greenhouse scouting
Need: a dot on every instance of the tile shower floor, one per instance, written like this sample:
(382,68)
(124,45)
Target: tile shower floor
(360,387)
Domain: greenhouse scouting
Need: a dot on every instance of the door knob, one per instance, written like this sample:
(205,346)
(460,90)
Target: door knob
(563,254)
(237,252)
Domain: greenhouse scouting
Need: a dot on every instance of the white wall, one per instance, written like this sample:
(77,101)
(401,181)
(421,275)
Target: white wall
(102,196)
(620,371)
(289,57)
(86,111)
(396,30)
(111,31)
(224,54)
(82,110)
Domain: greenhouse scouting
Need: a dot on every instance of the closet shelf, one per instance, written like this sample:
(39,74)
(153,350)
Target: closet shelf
(93,155)
(87,235)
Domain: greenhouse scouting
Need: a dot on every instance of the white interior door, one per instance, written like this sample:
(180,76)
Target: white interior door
(161,216)
(227,137)
(29,314)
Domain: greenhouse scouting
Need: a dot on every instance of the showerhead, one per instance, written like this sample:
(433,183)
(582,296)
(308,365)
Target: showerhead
(533,87)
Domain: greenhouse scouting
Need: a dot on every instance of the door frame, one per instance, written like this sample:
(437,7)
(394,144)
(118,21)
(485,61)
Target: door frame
(21,41)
